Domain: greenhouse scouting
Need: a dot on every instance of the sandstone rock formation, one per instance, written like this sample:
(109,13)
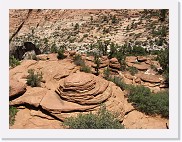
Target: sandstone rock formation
(17,88)
(65,92)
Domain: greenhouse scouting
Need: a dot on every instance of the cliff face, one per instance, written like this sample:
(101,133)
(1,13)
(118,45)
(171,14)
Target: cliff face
(80,28)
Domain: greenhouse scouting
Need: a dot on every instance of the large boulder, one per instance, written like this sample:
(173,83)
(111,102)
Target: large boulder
(104,62)
(131,59)
(17,88)
(114,63)
(141,66)
(149,78)
(33,96)
(141,58)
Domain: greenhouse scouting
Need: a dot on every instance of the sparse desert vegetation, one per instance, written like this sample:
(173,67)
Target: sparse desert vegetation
(89,69)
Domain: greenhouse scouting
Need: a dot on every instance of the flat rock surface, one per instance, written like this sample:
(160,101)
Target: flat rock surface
(141,66)
(24,120)
(33,96)
(150,78)
(138,120)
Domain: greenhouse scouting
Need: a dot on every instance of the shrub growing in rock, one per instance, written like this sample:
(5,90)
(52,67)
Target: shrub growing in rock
(106,73)
(103,119)
(132,70)
(33,79)
(138,51)
(149,103)
(12,113)
(85,68)
(13,62)
(118,81)
(163,58)
(61,54)
(78,60)
(54,48)
(97,62)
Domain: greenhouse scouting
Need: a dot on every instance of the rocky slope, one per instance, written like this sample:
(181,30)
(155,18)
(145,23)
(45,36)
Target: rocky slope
(78,29)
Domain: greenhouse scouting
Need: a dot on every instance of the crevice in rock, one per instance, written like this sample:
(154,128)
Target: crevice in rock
(126,113)
(15,96)
(39,108)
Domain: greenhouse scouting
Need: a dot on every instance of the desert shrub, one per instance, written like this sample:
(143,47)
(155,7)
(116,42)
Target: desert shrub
(113,50)
(61,54)
(78,60)
(103,119)
(85,35)
(147,102)
(138,51)
(13,62)
(85,68)
(106,73)
(97,62)
(76,27)
(162,15)
(118,81)
(102,46)
(163,58)
(114,19)
(33,79)
(12,113)
(54,48)
(132,70)
(123,65)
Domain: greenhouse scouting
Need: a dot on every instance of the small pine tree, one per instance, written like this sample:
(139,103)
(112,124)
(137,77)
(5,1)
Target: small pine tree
(97,62)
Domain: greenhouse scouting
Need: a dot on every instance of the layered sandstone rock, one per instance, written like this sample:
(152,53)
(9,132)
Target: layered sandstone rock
(114,63)
(131,59)
(85,92)
(104,62)
(141,66)
(150,78)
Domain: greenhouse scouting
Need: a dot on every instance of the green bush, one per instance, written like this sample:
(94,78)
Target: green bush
(13,62)
(33,79)
(54,48)
(76,26)
(118,81)
(97,62)
(149,103)
(106,73)
(138,51)
(132,70)
(103,119)
(12,113)
(163,58)
(85,68)
(78,60)
(123,65)
(61,54)
(113,50)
